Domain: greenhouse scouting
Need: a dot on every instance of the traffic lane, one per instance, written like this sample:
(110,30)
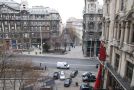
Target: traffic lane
(58,59)
(81,67)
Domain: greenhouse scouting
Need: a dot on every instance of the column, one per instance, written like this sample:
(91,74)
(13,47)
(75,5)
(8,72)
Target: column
(119,32)
(108,23)
(15,26)
(9,26)
(122,33)
(3,29)
(90,49)
(95,43)
(132,82)
(104,30)
(127,27)
(115,31)
(130,33)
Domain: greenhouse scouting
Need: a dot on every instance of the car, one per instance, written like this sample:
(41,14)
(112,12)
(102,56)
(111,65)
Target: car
(67,82)
(88,77)
(86,74)
(85,86)
(62,75)
(73,73)
(62,65)
(56,75)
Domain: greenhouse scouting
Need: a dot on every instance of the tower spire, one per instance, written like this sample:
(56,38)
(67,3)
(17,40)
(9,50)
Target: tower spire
(24,5)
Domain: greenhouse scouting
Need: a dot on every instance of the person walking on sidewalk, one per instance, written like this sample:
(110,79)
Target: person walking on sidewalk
(45,67)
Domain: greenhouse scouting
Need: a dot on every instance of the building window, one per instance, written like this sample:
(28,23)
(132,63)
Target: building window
(133,34)
(129,71)
(117,58)
(122,5)
(0,29)
(100,26)
(47,28)
(5,23)
(84,26)
(91,25)
(25,23)
(119,32)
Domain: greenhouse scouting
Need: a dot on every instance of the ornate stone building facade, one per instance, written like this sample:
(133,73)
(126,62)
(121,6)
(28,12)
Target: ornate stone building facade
(92,28)
(118,35)
(23,27)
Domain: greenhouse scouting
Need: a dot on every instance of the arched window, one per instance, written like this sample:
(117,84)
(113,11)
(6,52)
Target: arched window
(100,26)
(133,34)
(91,25)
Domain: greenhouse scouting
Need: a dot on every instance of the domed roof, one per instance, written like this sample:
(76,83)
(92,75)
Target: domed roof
(10,3)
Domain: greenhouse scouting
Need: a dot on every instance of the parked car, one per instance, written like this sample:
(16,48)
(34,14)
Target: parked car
(73,73)
(62,75)
(85,86)
(56,75)
(88,77)
(67,82)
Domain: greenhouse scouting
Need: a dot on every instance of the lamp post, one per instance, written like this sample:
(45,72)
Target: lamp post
(41,40)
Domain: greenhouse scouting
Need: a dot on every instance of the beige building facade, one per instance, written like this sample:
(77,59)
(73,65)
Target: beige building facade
(118,35)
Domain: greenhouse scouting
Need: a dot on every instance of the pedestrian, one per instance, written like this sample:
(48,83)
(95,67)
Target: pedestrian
(97,65)
(76,83)
(45,67)
(40,64)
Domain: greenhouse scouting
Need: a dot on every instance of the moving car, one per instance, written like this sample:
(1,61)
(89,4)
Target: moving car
(56,75)
(62,75)
(63,65)
(73,73)
(88,77)
(67,82)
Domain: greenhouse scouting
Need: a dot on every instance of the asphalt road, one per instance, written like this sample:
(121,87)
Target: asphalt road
(50,62)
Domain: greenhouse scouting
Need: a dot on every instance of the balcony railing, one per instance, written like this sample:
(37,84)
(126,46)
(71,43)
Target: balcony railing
(125,84)
(128,48)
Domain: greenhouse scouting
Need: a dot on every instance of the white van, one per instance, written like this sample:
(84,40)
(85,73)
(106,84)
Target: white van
(63,65)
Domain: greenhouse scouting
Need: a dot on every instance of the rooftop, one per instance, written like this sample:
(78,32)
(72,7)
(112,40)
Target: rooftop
(10,3)
(41,10)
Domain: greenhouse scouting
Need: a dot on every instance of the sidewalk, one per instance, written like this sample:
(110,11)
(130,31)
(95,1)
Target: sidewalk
(73,53)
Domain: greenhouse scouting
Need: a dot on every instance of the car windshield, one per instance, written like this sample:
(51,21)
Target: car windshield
(62,75)
(66,81)
(55,74)
(62,72)
(86,73)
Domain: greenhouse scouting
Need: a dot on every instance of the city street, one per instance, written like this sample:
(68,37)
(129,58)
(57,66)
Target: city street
(74,58)
(82,65)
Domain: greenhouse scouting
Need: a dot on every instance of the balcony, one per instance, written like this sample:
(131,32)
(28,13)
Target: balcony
(128,48)
(124,83)
(116,43)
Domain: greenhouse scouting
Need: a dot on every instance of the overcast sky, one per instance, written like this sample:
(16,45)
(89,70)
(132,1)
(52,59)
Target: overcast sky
(66,8)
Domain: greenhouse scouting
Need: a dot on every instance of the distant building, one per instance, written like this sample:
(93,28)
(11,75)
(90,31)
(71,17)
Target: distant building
(118,36)
(76,24)
(92,28)
(23,27)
